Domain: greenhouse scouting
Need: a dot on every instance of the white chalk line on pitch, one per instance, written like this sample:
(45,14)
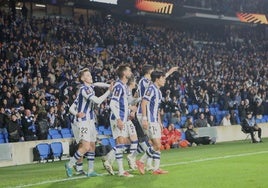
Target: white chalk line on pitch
(172,164)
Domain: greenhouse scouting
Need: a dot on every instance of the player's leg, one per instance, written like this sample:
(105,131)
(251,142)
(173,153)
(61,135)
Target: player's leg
(133,144)
(79,164)
(143,142)
(90,155)
(121,137)
(108,161)
(156,142)
(85,146)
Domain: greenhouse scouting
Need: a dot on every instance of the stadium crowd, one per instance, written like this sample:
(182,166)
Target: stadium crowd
(223,67)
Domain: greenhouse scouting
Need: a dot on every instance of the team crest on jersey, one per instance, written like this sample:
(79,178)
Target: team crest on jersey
(116,93)
(148,92)
(88,91)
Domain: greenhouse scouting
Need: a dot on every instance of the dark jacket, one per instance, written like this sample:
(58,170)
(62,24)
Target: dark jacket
(14,131)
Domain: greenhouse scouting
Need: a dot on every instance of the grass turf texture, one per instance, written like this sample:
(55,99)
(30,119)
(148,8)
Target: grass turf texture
(230,164)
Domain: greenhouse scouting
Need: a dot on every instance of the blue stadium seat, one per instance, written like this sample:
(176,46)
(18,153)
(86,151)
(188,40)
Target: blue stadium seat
(54,133)
(56,136)
(112,142)
(66,133)
(183,137)
(105,141)
(107,132)
(183,120)
(177,126)
(101,128)
(43,151)
(3,138)
(258,121)
(213,111)
(67,136)
(263,120)
(165,123)
(266,118)
(190,108)
(56,149)
(195,106)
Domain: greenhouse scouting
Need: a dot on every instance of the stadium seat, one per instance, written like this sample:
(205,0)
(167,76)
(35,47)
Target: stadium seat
(183,120)
(266,118)
(105,141)
(56,149)
(3,137)
(183,136)
(165,123)
(112,142)
(66,133)
(107,132)
(43,150)
(258,121)
(101,128)
(177,125)
(56,136)
(54,133)
(213,111)
(2,140)
(190,108)
(195,107)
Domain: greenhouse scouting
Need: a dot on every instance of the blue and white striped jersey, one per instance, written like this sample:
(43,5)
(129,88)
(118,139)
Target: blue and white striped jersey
(154,96)
(119,100)
(84,104)
(142,86)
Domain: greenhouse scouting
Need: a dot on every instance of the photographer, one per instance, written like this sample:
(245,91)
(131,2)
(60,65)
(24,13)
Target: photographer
(249,126)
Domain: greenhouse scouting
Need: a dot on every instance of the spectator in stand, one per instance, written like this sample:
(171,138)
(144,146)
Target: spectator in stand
(201,121)
(226,101)
(212,121)
(52,118)
(234,117)
(208,66)
(167,107)
(15,134)
(242,110)
(207,112)
(171,137)
(258,109)
(3,122)
(176,118)
(192,137)
(42,126)
(189,121)
(226,120)
(28,126)
(248,106)
(184,107)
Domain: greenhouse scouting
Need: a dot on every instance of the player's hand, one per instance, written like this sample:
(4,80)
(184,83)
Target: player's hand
(80,114)
(133,108)
(170,71)
(145,124)
(120,124)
